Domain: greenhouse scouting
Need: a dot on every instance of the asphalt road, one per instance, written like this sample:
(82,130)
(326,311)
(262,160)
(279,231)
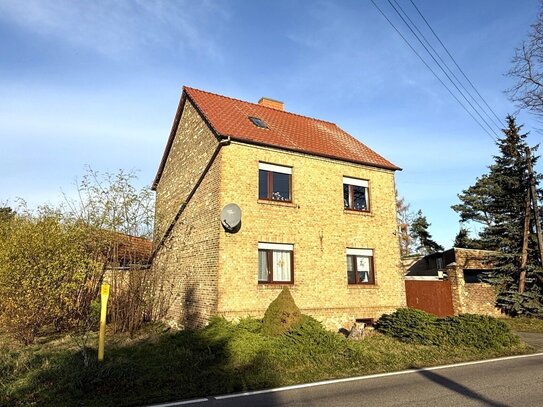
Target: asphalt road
(501,383)
(532,338)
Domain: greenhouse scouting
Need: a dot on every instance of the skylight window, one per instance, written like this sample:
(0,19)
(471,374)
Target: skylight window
(258,122)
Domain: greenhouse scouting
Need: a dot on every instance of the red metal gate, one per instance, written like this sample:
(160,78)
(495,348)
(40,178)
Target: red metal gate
(434,297)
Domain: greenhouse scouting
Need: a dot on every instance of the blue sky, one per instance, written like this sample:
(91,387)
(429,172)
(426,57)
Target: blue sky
(97,83)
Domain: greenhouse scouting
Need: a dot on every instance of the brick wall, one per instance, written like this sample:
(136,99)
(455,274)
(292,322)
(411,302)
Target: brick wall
(456,277)
(188,260)
(472,298)
(320,230)
(472,258)
(190,152)
(480,298)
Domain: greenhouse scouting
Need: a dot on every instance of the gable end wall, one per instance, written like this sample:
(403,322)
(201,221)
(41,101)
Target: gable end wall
(187,262)
(189,154)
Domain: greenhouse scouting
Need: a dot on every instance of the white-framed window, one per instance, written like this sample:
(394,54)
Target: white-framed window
(275,263)
(274,182)
(360,266)
(355,194)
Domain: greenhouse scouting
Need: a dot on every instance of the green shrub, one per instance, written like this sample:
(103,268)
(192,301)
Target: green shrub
(309,345)
(46,274)
(308,333)
(418,327)
(250,324)
(479,331)
(409,325)
(218,329)
(281,314)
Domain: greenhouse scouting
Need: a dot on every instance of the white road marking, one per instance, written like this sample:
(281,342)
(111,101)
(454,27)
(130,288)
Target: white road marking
(373,376)
(180,403)
(345,380)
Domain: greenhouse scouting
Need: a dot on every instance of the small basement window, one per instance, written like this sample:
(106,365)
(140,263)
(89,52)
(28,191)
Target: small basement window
(366,321)
(258,122)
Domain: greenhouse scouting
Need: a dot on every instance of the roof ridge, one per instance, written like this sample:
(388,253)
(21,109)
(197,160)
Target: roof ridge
(259,105)
(131,236)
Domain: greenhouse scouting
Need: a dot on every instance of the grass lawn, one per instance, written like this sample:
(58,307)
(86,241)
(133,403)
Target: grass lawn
(158,366)
(524,324)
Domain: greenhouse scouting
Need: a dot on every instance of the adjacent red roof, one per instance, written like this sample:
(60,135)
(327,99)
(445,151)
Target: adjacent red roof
(132,249)
(229,117)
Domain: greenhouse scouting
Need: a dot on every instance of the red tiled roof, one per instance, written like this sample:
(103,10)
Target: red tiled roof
(132,248)
(229,117)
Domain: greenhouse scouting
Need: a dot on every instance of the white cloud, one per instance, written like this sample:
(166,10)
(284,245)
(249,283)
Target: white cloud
(115,28)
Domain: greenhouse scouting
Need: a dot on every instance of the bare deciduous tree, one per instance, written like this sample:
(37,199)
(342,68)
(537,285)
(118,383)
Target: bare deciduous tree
(108,201)
(527,70)
(404,217)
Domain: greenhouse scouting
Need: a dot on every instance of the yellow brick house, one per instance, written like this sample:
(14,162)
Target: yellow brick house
(317,215)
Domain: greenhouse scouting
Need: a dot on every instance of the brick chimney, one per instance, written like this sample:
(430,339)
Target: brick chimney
(274,104)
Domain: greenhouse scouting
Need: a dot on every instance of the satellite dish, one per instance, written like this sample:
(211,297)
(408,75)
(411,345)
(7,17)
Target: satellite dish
(231,218)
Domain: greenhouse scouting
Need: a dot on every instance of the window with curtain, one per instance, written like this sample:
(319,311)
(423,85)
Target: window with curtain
(275,263)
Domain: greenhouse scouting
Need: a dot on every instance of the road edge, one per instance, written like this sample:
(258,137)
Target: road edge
(343,380)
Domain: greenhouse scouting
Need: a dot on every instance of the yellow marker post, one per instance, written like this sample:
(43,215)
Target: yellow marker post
(103,312)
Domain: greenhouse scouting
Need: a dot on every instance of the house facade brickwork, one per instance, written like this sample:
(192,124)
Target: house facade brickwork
(209,271)
(319,228)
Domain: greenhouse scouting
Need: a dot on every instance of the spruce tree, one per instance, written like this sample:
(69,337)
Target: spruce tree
(464,241)
(420,234)
(497,201)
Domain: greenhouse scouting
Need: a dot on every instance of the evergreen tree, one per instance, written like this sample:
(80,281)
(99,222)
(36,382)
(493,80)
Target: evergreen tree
(6,213)
(462,239)
(497,201)
(420,234)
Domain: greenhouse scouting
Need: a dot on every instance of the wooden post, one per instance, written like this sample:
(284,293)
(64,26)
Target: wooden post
(525,237)
(535,205)
(103,313)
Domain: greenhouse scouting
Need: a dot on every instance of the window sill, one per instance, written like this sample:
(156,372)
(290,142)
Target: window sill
(363,286)
(274,286)
(355,212)
(289,204)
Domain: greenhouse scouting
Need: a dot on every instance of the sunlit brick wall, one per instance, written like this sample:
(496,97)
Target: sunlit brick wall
(320,230)
(472,298)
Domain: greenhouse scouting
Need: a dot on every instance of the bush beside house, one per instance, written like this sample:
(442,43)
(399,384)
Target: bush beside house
(466,330)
